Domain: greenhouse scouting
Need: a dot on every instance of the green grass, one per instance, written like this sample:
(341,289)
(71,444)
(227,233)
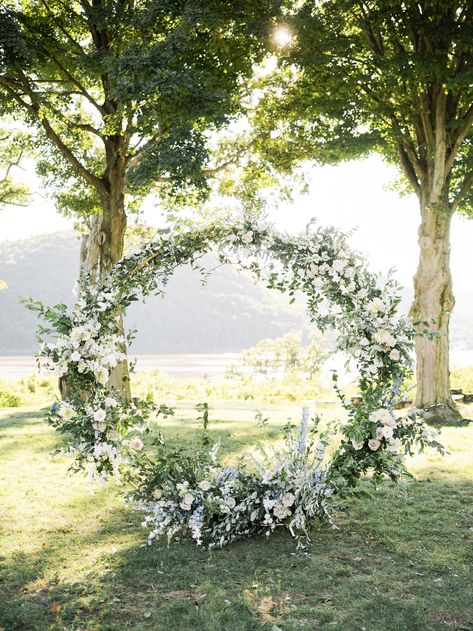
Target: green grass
(74,560)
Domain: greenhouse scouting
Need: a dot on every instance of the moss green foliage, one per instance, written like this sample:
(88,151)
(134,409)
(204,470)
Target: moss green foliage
(72,560)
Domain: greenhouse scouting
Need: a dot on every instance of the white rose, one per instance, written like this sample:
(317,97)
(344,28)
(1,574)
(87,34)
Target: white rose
(384,338)
(373,444)
(376,306)
(100,415)
(382,416)
(75,356)
(247,237)
(186,503)
(357,445)
(388,432)
(395,355)
(362,293)
(281,512)
(67,412)
(110,402)
(100,427)
(389,420)
(384,432)
(394,445)
(102,376)
(288,499)
(312,271)
(205,485)
(268,504)
(157,494)
(136,444)
(230,502)
(338,265)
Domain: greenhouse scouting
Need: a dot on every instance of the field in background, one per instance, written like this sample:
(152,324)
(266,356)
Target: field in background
(73,560)
(35,390)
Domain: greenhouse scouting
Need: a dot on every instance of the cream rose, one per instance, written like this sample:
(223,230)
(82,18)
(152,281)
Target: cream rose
(136,444)
(373,444)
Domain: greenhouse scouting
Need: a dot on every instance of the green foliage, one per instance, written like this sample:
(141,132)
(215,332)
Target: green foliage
(13,146)
(162,387)
(380,75)
(462,378)
(31,390)
(134,86)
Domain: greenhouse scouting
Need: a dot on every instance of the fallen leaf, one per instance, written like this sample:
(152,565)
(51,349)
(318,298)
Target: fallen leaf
(55,608)
(265,606)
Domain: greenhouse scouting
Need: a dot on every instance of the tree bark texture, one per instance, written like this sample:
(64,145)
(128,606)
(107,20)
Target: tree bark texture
(433,303)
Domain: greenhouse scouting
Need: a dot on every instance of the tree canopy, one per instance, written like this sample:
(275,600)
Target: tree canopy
(155,74)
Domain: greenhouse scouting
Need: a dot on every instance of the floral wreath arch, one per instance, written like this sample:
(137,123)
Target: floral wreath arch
(290,487)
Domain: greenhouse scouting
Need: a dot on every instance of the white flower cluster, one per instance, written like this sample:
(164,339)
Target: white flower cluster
(231,503)
(87,349)
(99,432)
(385,427)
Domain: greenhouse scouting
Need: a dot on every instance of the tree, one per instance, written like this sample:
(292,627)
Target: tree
(286,354)
(13,191)
(122,95)
(396,78)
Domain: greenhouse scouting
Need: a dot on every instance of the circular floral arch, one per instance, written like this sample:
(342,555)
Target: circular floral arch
(103,431)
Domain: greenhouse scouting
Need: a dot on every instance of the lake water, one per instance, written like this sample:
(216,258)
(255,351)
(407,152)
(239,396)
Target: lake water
(180,365)
(184,366)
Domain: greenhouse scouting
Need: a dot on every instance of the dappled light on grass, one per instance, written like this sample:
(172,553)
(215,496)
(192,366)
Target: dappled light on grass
(405,554)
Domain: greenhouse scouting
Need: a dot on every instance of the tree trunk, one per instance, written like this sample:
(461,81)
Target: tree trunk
(433,303)
(103,246)
(113,228)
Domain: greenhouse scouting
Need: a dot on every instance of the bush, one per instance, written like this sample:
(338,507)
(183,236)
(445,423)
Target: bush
(9,399)
(31,390)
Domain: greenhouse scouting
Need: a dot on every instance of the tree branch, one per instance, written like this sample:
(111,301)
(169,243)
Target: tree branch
(62,29)
(408,167)
(34,109)
(464,188)
(462,134)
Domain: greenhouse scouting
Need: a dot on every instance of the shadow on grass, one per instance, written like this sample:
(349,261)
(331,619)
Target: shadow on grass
(399,561)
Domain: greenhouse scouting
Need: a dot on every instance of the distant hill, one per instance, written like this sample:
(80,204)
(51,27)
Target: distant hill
(228,314)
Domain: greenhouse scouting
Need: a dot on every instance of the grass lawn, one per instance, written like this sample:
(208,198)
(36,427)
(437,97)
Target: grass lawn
(71,560)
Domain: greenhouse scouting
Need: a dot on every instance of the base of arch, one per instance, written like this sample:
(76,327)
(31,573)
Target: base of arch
(444,414)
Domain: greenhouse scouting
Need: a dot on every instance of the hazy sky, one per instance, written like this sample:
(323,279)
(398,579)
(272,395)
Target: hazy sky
(352,195)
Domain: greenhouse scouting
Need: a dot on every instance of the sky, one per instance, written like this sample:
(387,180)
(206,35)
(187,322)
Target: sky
(353,195)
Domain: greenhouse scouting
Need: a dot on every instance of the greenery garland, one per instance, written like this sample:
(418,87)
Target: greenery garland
(190,493)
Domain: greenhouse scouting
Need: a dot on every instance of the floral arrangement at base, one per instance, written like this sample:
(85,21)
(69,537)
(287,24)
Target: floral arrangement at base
(193,495)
